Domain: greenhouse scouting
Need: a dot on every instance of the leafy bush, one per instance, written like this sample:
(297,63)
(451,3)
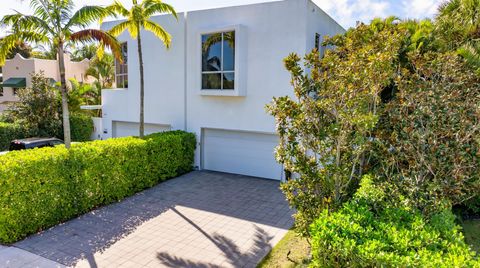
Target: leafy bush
(382,101)
(42,187)
(81,127)
(371,232)
(429,133)
(9,132)
(38,108)
(326,130)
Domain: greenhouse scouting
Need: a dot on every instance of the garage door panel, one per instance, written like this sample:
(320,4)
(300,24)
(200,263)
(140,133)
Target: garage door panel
(244,153)
(125,129)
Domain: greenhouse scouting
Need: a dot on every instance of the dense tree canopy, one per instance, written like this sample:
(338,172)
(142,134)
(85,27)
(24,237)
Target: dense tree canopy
(392,99)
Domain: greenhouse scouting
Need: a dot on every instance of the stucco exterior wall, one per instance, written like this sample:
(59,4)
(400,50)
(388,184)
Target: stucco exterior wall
(265,34)
(164,79)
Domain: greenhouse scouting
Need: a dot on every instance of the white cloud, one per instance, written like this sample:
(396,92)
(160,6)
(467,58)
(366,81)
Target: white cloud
(348,12)
(420,8)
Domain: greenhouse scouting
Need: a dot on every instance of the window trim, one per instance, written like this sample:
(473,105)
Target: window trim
(239,66)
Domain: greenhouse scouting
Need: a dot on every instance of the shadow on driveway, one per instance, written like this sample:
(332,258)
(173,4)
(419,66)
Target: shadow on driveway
(255,200)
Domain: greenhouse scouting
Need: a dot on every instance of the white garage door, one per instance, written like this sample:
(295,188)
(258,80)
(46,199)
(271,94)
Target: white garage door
(245,153)
(125,129)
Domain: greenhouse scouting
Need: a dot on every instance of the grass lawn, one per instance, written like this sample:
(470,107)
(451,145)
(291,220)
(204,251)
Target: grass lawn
(299,250)
(471,229)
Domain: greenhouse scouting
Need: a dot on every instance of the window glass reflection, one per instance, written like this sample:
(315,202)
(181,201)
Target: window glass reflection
(218,60)
(228,81)
(211,81)
(212,52)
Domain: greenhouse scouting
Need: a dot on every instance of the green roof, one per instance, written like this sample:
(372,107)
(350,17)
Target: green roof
(15,82)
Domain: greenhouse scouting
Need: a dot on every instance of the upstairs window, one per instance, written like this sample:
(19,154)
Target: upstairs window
(218,61)
(121,69)
(318,45)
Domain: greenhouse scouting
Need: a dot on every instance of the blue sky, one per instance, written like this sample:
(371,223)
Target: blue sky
(346,12)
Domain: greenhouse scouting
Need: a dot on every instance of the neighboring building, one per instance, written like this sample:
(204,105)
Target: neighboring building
(17,74)
(223,67)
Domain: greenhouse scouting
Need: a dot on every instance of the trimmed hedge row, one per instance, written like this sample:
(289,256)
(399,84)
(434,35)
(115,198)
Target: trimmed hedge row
(369,232)
(40,188)
(81,127)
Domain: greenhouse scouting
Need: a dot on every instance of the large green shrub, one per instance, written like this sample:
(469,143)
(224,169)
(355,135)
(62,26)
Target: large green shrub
(370,231)
(326,130)
(81,127)
(38,109)
(429,134)
(42,187)
(9,132)
(384,100)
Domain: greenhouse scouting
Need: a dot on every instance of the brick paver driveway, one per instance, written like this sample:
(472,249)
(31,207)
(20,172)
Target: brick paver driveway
(201,219)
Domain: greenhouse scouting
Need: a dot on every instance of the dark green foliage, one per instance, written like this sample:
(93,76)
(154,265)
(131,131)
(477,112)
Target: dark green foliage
(9,132)
(81,127)
(43,187)
(38,108)
(38,113)
(325,131)
(384,100)
(369,231)
(428,135)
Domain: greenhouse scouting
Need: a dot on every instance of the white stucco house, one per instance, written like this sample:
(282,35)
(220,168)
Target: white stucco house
(223,67)
(17,73)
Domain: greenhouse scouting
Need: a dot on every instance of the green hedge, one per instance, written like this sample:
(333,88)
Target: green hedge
(9,132)
(81,130)
(43,187)
(81,127)
(368,233)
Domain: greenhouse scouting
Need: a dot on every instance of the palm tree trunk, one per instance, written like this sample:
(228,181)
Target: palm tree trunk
(142,87)
(63,90)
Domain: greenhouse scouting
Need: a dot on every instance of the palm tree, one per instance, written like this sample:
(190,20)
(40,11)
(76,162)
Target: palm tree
(54,24)
(458,23)
(88,51)
(103,70)
(136,19)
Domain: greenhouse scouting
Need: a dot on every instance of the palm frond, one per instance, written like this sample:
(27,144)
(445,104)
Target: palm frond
(153,7)
(119,28)
(6,45)
(41,9)
(88,15)
(133,29)
(118,8)
(211,40)
(471,54)
(104,38)
(159,32)
(20,22)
